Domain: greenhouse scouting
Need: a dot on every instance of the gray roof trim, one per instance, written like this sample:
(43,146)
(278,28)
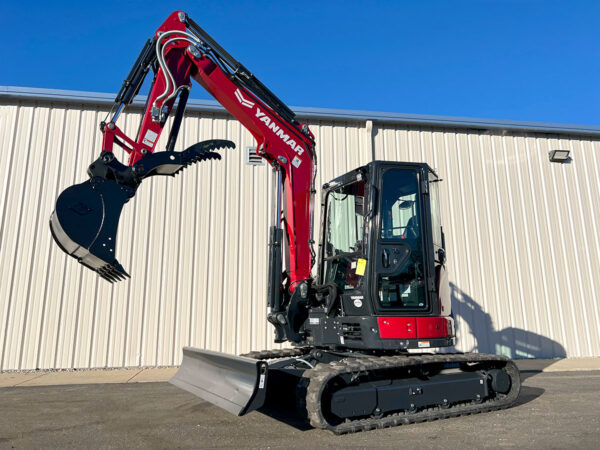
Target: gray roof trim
(97,98)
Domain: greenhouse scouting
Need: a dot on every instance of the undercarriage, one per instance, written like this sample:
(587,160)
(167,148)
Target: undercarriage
(345,391)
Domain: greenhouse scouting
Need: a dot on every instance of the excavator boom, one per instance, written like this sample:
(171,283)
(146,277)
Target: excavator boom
(86,216)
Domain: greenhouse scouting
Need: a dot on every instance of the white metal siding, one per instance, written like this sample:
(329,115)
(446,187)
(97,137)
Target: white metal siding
(522,238)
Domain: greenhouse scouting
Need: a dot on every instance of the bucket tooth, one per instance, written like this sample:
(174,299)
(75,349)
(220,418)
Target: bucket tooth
(113,273)
(106,275)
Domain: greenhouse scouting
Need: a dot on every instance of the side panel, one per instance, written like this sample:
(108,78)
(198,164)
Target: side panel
(434,327)
(415,327)
(397,327)
(380,333)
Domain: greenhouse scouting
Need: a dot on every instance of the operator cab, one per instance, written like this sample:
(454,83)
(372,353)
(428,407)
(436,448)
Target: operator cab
(382,253)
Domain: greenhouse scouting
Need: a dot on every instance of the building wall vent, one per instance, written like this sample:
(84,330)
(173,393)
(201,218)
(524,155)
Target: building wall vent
(252,159)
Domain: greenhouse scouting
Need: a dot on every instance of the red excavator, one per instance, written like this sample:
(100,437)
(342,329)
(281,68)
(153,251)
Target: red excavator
(381,284)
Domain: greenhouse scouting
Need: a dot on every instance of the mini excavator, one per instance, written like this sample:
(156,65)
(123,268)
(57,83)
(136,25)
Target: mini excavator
(380,286)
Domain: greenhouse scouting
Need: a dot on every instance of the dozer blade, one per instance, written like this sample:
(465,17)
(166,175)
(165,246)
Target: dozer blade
(84,224)
(235,383)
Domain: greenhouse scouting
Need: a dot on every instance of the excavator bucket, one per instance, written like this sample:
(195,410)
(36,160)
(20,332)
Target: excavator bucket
(84,224)
(235,383)
(86,217)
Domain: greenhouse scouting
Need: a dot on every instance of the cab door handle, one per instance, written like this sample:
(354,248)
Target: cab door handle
(385,258)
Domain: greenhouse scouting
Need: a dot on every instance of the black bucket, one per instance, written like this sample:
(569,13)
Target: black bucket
(84,224)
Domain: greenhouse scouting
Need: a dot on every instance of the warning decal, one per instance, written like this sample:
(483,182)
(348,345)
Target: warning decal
(361,265)
(150,138)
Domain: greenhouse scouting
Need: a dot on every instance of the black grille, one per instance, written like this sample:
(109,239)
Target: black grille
(351,331)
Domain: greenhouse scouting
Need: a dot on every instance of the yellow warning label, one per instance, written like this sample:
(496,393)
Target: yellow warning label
(361,264)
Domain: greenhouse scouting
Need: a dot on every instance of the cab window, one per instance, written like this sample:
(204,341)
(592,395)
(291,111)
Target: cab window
(344,230)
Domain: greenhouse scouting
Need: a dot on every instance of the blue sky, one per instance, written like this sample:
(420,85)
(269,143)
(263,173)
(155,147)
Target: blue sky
(524,60)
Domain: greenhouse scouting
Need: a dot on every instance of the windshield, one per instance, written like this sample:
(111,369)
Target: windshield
(344,229)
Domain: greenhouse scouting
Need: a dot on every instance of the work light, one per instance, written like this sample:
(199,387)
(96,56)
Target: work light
(559,156)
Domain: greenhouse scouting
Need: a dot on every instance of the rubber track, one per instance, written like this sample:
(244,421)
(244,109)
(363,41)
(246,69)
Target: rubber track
(278,353)
(317,379)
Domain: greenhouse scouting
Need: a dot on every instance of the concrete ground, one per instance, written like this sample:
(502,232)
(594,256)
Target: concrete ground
(153,374)
(555,410)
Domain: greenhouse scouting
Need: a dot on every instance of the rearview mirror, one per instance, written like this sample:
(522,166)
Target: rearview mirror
(441,253)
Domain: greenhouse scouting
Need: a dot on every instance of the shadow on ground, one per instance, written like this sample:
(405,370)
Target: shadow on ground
(528,394)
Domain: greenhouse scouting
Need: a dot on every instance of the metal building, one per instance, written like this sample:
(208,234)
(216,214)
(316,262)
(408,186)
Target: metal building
(523,233)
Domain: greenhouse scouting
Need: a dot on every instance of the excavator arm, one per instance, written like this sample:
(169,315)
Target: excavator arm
(85,220)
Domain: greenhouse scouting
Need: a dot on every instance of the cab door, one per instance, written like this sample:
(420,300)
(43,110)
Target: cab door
(400,264)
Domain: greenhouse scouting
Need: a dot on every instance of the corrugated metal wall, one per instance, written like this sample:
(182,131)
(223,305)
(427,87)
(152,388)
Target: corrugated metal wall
(523,242)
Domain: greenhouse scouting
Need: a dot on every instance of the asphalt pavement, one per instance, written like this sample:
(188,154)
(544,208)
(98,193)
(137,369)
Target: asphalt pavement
(555,410)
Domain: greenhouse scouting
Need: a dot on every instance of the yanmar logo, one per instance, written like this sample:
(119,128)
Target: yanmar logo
(281,134)
(244,101)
